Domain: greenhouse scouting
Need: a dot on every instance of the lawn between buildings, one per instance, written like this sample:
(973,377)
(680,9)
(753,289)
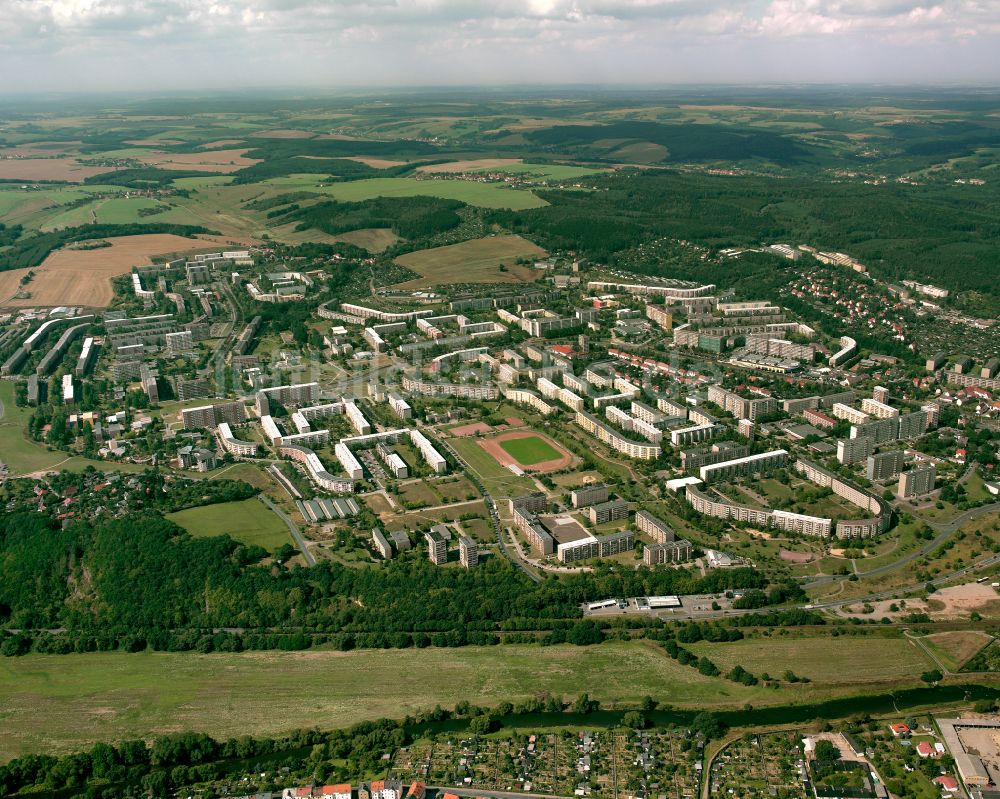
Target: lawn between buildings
(61,703)
(246,521)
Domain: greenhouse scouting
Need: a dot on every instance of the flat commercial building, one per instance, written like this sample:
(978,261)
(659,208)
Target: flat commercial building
(917,482)
(750,464)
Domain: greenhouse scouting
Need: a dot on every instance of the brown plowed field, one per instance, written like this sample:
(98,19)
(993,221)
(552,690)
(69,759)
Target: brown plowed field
(83,277)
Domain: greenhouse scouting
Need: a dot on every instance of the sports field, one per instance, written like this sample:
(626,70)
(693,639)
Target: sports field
(474,261)
(530,451)
(247,521)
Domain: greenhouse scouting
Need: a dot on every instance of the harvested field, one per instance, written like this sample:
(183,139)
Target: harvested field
(375,163)
(153,142)
(536,450)
(469,166)
(475,261)
(209,145)
(212,161)
(282,133)
(373,239)
(29,169)
(83,277)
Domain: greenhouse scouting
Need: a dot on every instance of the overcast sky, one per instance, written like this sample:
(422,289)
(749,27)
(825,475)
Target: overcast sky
(97,45)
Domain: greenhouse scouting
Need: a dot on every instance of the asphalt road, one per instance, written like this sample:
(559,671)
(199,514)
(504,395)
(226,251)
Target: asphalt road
(944,532)
(292,528)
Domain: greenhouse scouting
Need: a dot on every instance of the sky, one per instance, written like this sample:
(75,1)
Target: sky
(136,45)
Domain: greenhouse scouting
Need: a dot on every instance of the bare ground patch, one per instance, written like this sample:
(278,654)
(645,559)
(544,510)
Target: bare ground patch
(29,169)
(225,161)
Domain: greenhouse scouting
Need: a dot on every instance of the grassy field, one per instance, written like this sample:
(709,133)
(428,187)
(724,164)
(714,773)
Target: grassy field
(955,648)
(475,261)
(529,451)
(247,521)
(486,195)
(59,703)
(822,659)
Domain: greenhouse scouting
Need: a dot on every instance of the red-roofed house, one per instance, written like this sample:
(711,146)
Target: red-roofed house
(946,782)
(925,749)
(340,791)
(899,730)
(417,790)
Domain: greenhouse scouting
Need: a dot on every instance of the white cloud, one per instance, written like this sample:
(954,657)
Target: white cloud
(84,42)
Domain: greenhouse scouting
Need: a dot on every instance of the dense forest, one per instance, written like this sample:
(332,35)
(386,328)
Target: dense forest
(409,217)
(957,245)
(142,580)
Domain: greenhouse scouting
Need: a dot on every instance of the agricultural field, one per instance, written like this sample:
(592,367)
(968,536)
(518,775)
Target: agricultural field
(29,169)
(246,521)
(475,261)
(485,195)
(530,451)
(57,281)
